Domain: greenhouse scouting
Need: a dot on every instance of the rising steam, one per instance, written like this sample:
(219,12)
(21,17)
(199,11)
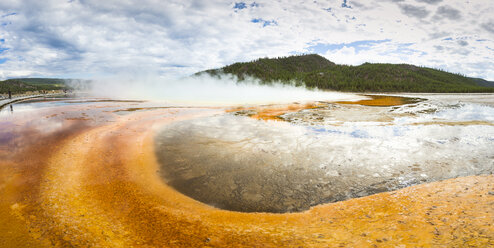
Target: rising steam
(206,90)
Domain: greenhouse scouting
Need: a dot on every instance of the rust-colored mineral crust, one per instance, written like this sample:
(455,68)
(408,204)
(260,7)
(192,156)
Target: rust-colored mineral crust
(98,187)
(382,101)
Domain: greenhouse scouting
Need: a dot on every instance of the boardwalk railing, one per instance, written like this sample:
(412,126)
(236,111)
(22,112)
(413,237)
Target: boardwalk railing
(5,102)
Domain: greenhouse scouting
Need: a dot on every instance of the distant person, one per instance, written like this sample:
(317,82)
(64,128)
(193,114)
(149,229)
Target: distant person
(10,94)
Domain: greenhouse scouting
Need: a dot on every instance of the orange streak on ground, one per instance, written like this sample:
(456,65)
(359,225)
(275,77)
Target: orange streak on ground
(379,101)
(100,188)
(272,112)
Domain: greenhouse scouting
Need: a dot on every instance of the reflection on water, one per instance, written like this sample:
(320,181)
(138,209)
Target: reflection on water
(38,103)
(237,163)
(85,175)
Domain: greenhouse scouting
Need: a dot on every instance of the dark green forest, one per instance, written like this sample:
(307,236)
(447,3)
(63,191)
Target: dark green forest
(315,71)
(21,85)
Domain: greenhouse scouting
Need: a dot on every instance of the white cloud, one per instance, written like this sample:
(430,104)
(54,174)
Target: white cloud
(177,38)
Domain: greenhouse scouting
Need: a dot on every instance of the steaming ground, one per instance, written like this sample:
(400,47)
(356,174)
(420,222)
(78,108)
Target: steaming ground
(206,90)
(84,173)
(327,154)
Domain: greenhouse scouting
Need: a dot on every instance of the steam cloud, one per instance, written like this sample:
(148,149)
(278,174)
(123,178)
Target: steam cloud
(206,90)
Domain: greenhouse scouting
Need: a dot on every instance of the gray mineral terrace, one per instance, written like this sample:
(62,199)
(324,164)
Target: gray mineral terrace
(239,163)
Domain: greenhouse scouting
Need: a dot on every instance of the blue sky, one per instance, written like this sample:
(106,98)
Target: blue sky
(322,48)
(175,38)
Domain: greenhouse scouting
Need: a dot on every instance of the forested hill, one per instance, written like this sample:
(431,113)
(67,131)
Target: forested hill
(22,85)
(316,71)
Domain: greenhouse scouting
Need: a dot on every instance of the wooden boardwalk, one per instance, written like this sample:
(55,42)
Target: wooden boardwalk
(5,102)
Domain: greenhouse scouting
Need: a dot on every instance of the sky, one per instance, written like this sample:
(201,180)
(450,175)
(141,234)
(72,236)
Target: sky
(175,38)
